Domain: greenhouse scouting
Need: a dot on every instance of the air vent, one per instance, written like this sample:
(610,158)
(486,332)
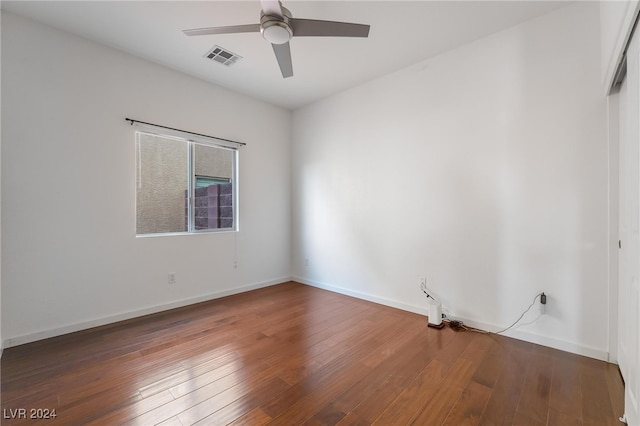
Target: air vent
(223,56)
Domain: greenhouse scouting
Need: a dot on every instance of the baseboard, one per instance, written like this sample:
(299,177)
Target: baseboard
(364,296)
(526,336)
(58,331)
(539,339)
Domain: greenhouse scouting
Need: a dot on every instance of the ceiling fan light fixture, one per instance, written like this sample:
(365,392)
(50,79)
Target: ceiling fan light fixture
(276,32)
(277,26)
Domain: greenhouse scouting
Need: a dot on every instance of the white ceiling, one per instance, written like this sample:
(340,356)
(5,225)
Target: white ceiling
(402,33)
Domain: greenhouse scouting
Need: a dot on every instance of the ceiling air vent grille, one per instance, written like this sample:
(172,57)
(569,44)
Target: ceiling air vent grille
(222,56)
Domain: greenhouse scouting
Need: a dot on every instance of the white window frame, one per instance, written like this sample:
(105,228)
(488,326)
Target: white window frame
(191,141)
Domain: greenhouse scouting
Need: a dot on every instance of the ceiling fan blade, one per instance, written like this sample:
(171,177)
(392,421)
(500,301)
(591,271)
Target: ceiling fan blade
(232,29)
(316,28)
(283,55)
(271,7)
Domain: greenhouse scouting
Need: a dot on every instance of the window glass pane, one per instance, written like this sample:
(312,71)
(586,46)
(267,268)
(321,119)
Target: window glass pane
(162,182)
(213,194)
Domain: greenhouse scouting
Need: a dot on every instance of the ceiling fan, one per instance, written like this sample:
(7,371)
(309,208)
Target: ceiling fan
(278,27)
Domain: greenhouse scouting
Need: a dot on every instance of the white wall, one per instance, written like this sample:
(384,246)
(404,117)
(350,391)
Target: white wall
(484,169)
(69,252)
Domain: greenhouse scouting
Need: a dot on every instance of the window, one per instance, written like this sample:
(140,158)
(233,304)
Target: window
(184,185)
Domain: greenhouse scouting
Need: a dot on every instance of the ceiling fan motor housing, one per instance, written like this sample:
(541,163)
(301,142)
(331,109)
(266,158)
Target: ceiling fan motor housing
(276,29)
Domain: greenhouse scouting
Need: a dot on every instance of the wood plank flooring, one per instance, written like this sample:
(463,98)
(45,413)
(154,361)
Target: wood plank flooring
(292,355)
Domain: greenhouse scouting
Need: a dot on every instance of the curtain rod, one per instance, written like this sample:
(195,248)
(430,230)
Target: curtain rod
(183,131)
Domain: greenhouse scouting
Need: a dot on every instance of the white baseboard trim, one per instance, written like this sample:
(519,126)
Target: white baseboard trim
(58,331)
(539,339)
(364,296)
(526,336)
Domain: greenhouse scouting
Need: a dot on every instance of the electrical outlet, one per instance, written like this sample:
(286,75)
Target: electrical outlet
(543,303)
(172,277)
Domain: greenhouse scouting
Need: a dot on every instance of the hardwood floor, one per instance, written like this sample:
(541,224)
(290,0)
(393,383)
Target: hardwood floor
(292,354)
